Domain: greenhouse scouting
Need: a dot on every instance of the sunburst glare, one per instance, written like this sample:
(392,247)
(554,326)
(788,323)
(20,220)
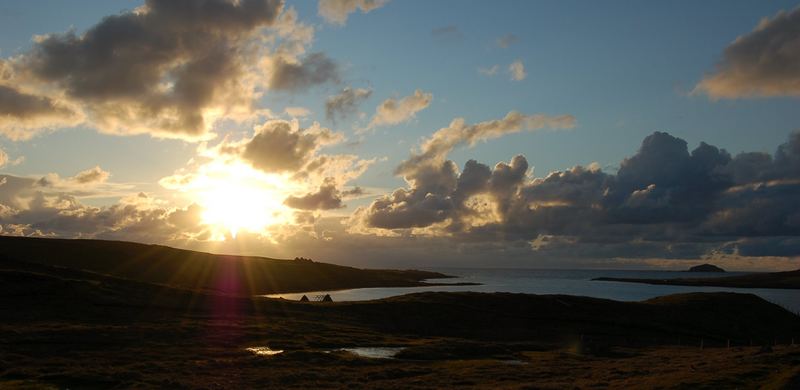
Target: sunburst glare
(235,198)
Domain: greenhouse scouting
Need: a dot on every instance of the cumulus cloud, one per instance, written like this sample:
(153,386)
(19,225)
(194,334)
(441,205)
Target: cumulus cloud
(665,201)
(314,69)
(507,40)
(517,71)
(168,68)
(437,190)
(91,176)
(396,111)
(20,112)
(345,103)
(3,158)
(33,207)
(337,11)
(764,62)
(281,146)
(326,198)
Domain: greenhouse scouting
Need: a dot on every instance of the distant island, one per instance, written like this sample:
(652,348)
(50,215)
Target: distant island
(787,280)
(705,268)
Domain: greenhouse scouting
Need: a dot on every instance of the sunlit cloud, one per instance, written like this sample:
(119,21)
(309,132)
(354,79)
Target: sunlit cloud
(517,71)
(762,63)
(337,11)
(395,111)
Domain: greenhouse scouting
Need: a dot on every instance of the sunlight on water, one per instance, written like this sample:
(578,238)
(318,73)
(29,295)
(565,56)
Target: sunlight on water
(571,282)
(374,352)
(264,351)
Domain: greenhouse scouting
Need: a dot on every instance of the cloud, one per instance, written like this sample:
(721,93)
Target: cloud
(91,176)
(297,112)
(517,71)
(337,11)
(762,63)
(665,201)
(437,191)
(281,146)
(396,111)
(507,40)
(312,70)
(20,112)
(168,68)
(436,148)
(345,103)
(328,197)
(3,158)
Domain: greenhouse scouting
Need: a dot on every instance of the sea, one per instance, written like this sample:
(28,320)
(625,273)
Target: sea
(553,281)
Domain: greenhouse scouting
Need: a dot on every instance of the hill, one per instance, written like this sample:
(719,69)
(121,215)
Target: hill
(63,327)
(185,269)
(705,268)
(786,279)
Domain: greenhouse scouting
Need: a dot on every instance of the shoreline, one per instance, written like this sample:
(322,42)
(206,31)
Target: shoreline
(787,280)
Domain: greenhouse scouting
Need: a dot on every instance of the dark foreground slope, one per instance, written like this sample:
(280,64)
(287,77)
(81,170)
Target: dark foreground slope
(69,328)
(157,264)
(787,279)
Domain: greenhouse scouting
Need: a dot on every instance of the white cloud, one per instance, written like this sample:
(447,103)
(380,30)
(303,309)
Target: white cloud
(517,70)
(337,11)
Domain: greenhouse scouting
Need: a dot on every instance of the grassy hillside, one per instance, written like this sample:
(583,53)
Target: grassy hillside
(66,327)
(186,269)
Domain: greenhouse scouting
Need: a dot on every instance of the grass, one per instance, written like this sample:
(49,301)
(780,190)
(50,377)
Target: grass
(64,327)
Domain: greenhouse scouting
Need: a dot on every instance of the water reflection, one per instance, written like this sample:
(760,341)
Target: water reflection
(571,282)
(264,351)
(374,352)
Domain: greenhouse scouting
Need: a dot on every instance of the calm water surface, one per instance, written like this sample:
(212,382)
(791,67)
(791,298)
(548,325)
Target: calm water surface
(570,282)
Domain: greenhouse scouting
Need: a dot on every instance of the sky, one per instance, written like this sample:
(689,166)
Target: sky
(554,134)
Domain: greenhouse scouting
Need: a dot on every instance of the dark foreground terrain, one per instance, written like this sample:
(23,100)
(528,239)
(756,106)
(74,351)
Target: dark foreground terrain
(68,328)
(787,279)
(198,271)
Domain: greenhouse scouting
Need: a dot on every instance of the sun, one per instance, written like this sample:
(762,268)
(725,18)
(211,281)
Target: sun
(235,198)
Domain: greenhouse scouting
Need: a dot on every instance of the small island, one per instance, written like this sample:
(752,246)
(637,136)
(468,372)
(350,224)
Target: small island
(705,268)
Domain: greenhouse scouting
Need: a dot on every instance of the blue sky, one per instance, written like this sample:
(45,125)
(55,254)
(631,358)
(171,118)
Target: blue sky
(622,69)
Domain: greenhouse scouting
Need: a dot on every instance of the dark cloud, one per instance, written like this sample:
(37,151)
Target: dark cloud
(664,201)
(19,111)
(345,103)
(763,62)
(279,146)
(354,192)
(168,68)
(314,69)
(328,197)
